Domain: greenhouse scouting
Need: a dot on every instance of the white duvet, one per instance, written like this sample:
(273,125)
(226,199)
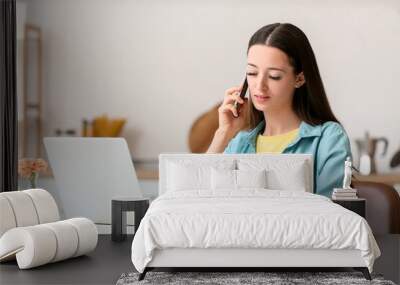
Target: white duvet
(251,218)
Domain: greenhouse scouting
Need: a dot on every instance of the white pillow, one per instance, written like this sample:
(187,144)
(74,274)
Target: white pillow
(237,179)
(281,174)
(294,179)
(188,175)
(251,178)
(223,179)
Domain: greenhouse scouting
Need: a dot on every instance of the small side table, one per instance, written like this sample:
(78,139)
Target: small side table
(356,205)
(120,205)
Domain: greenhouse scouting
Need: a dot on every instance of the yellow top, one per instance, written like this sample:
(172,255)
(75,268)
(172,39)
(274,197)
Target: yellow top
(275,144)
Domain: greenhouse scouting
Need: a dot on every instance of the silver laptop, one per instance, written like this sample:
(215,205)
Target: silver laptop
(89,172)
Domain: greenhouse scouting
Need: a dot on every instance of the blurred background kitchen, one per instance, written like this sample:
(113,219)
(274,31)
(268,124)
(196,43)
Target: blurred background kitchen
(154,71)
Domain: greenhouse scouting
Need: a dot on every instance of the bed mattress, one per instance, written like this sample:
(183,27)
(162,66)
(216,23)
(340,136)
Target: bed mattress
(250,219)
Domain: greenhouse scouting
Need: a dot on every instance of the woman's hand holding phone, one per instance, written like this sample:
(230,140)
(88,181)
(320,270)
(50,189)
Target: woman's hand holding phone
(232,119)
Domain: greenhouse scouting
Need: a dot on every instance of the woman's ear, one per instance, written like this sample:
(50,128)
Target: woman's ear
(300,80)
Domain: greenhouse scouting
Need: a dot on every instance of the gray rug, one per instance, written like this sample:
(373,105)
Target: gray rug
(225,278)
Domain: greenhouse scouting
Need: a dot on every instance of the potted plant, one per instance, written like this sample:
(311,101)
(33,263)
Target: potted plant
(30,168)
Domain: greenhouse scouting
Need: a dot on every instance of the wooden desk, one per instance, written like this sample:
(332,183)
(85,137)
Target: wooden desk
(387,178)
(141,173)
(146,174)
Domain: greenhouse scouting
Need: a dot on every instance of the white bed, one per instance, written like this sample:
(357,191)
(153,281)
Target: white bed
(203,218)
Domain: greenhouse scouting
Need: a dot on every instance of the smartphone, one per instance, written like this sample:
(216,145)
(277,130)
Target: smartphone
(242,95)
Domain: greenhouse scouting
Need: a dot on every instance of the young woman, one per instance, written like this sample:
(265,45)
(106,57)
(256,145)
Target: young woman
(287,110)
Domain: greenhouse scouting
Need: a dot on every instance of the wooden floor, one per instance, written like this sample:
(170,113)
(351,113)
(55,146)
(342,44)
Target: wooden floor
(110,259)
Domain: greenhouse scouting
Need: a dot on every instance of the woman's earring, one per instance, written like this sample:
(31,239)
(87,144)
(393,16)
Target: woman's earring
(297,85)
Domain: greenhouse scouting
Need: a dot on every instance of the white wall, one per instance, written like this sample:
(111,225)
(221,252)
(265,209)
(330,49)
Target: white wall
(162,63)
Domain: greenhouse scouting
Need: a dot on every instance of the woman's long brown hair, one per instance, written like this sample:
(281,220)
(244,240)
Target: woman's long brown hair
(309,101)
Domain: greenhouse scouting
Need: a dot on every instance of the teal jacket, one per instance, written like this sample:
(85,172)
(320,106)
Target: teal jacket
(328,143)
